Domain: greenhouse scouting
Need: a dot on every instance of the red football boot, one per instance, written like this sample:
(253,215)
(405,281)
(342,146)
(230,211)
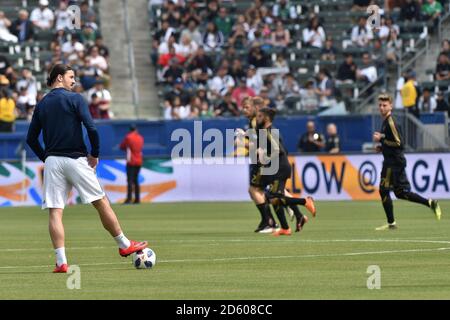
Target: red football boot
(134,247)
(61,269)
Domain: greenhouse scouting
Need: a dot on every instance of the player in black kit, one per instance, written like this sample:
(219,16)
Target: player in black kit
(275,170)
(393,174)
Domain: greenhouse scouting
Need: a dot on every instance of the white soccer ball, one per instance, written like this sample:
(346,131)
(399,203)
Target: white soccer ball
(144,259)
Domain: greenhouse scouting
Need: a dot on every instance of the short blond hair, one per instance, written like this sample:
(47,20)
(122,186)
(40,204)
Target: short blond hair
(258,101)
(385,97)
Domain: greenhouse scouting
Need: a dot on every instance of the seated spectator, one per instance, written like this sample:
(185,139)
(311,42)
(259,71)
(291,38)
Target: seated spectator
(432,10)
(212,11)
(445,48)
(410,11)
(284,11)
(94,109)
(311,141)
(227,108)
(441,104)
(24,103)
(238,37)
(241,92)
(104,103)
(173,72)
(393,46)
(237,71)
(280,62)
(281,38)
(179,111)
(88,74)
(224,22)
(5,34)
(88,35)
(72,47)
(268,101)
(362,33)
(102,49)
(163,48)
(22,27)
(191,12)
(387,28)
(87,13)
(222,83)
(212,39)
(187,47)
(165,59)
(28,81)
(290,90)
(332,144)
(367,72)
(347,70)
(201,66)
(443,67)
(427,103)
(191,30)
(42,17)
(63,17)
(7,112)
(309,101)
(257,57)
(329,51)
(96,60)
(172,13)
(325,89)
(178,91)
(254,80)
(314,34)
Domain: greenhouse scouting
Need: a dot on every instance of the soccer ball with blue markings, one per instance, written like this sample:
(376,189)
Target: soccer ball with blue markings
(144,259)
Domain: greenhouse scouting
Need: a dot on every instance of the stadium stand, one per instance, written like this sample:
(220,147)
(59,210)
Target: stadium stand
(300,50)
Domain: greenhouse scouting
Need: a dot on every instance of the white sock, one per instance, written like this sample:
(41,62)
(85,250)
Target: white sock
(60,256)
(122,241)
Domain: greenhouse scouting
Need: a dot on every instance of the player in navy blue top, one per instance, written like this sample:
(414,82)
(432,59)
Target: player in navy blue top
(60,116)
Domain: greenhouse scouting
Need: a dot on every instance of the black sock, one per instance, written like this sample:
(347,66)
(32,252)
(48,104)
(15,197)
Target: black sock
(263,209)
(297,213)
(294,201)
(279,210)
(413,197)
(388,207)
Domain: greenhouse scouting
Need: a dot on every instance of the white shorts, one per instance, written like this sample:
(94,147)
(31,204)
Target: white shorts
(63,173)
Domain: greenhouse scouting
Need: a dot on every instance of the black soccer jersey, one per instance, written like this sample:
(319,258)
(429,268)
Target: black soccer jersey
(392,143)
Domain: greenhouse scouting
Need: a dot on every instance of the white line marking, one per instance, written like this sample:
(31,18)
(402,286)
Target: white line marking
(252,258)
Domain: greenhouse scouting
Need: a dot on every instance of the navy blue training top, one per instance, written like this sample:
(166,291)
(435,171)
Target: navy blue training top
(59,115)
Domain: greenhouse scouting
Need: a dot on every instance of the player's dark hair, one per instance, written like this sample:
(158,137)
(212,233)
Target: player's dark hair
(268,112)
(58,69)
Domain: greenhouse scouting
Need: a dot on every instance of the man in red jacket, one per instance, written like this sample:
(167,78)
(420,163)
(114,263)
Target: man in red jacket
(133,144)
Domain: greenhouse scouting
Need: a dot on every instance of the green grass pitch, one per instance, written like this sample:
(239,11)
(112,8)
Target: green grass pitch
(209,251)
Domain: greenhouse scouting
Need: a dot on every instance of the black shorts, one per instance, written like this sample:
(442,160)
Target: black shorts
(394,179)
(275,184)
(255,176)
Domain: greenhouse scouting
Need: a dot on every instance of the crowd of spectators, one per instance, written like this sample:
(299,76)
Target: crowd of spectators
(83,49)
(210,57)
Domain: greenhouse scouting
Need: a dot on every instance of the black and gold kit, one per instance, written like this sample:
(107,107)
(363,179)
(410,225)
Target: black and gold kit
(255,177)
(393,174)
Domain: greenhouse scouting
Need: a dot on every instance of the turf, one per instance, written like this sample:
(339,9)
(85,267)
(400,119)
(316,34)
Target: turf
(209,251)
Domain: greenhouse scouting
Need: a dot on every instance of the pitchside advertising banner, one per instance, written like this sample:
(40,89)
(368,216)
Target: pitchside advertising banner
(324,177)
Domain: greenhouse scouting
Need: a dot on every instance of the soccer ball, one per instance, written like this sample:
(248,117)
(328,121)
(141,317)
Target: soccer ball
(144,259)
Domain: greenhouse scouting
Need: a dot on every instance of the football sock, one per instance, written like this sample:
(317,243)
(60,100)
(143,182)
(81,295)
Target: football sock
(388,206)
(413,197)
(60,256)
(279,210)
(263,209)
(294,201)
(122,241)
(297,213)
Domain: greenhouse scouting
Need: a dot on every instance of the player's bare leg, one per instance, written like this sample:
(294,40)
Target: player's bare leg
(111,223)
(56,230)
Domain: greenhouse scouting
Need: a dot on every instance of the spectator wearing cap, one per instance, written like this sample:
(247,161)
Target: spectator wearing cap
(314,34)
(254,80)
(222,83)
(42,17)
(133,144)
(227,108)
(22,27)
(241,92)
(409,94)
(5,24)
(441,104)
(427,103)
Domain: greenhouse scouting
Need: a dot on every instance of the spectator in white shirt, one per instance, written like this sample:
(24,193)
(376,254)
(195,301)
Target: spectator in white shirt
(254,80)
(5,34)
(362,33)
(314,34)
(164,46)
(427,103)
(103,95)
(96,60)
(187,47)
(64,17)
(221,83)
(368,72)
(42,17)
(72,47)
(28,81)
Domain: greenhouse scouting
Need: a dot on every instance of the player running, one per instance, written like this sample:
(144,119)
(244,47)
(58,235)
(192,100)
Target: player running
(269,153)
(67,163)
(393,174)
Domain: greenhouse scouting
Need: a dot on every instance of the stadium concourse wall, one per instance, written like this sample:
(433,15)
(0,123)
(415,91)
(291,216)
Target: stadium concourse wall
(325,177)
(354,131)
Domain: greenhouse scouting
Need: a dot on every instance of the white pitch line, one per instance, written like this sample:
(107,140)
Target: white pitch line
(252,258)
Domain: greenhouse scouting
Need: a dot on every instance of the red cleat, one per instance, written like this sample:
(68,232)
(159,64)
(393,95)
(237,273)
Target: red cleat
(134,247)
(282,232)
(61,269)
(310,206)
